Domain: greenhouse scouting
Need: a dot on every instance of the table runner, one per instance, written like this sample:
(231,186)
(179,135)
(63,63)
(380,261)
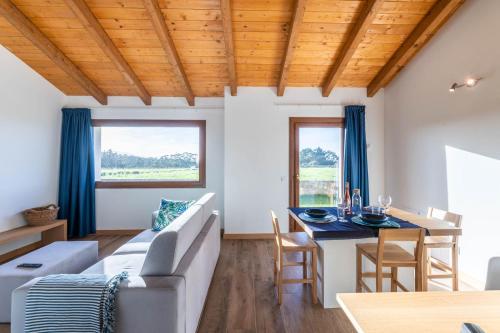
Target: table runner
(345,230)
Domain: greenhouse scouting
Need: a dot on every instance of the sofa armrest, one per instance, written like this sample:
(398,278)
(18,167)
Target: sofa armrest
(145,304)
(18,304)
(153,218)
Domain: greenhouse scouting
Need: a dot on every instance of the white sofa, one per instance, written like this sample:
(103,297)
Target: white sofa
(169,274)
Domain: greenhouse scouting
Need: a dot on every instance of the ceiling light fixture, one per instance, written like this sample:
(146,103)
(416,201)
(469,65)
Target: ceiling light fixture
(470,82)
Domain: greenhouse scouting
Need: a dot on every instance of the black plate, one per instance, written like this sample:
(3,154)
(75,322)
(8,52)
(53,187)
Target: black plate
(316,212)
(374,218)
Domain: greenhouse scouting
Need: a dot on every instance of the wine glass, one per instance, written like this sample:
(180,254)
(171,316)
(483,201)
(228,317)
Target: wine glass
(385,201)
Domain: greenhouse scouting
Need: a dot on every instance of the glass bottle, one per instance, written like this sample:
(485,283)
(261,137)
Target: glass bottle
(356,202)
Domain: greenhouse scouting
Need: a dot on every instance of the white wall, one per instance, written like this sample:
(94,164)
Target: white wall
(443,149)
(256,151)
(132,208)
(30,121)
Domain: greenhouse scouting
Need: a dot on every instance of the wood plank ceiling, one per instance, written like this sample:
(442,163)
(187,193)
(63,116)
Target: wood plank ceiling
(196,47)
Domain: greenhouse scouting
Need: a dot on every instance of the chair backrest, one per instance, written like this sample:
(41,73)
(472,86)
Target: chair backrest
(493,277)
(442,215)
(435,213)
(416,235)
(276,228)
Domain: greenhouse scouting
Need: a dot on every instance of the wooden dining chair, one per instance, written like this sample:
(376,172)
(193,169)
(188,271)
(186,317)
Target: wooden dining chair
(384,254)
(288,243)
(446,271)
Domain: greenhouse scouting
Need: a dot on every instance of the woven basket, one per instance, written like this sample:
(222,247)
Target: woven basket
(41,215)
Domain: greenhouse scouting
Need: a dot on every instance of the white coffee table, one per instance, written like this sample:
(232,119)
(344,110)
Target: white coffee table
(56,258)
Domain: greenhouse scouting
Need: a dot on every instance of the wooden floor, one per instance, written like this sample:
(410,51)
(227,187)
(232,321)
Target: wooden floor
(242,296)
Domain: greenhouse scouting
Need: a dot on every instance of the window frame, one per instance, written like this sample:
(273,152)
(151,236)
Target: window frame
(200,183)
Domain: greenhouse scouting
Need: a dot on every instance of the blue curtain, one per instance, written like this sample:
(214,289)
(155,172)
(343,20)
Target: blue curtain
(355,160)
(76,173)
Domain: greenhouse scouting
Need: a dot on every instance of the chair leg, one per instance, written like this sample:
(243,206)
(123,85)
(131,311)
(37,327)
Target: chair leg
(454,266)
(275,263)
(358,271)
(379,278)
(418,277)
(314,268)
(304,265)
(426,269)
(394,279)
(280,286)
(420,268)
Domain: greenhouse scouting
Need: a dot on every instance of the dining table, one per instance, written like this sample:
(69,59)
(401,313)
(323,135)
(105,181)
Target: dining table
(337,248)
(431,312)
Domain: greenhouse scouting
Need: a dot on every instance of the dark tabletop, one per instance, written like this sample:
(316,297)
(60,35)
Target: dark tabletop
(343,230)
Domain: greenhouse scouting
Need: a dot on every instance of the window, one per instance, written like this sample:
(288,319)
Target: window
(316,153)
(150,153)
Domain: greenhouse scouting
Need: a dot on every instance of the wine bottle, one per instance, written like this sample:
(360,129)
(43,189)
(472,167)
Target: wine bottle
(347,198)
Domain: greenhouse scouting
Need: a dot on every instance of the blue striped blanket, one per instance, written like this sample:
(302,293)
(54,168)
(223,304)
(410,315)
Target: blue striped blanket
(72,303)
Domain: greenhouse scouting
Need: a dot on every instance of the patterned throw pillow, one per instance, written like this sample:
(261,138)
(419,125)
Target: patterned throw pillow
(169,210)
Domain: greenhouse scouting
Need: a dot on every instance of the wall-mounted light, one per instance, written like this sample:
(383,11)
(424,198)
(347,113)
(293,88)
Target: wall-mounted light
(470,82)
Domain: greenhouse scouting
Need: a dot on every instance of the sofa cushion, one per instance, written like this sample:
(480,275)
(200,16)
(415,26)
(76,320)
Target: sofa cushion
(138,244)
(145,236)
(115,264)
(169,210)
(208,204)
(129,248)
(170,244)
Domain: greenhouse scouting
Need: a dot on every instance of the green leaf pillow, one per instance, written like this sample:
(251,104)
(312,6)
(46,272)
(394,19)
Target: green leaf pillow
(168,211)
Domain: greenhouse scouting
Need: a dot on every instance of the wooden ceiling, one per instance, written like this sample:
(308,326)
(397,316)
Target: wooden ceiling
(196,47)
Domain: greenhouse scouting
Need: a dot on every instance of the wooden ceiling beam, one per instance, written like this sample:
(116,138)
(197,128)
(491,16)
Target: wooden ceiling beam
(92,25)
(298,15)
(354,38)
(423,32)
(227,24)
(168,45)
(15,17)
